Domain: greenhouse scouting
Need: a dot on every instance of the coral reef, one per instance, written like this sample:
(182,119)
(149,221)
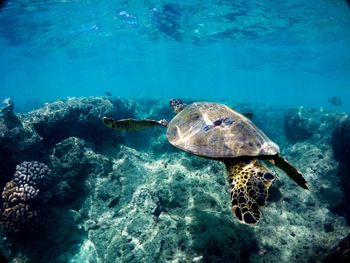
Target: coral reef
(132,197)
(17,144)
(7,112)
(73,117)
(72,161)
(20,217)
(299,124)
(18,211)
(32,174)
(38,131)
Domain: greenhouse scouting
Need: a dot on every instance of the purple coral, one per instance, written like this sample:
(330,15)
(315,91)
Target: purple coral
(14,218)
(17,211)
(31,173)
(13,193)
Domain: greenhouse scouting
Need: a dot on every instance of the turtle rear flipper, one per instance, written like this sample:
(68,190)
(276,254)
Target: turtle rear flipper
(132,124)
(249,185)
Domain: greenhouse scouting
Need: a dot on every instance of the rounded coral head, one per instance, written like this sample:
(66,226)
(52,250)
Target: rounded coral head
(177,105)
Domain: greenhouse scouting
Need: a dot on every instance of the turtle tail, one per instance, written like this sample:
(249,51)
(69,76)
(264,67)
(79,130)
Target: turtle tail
(249,185)
(291,171)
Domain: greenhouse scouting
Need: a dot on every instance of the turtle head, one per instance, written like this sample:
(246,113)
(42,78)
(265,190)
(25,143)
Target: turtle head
(177,105)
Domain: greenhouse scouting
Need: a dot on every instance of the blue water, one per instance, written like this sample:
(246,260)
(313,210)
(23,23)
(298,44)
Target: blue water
(290,53)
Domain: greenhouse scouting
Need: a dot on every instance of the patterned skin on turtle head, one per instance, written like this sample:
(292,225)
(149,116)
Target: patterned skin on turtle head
(177,105)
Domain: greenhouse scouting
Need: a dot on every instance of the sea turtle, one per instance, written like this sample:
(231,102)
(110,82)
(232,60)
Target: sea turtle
(217,132)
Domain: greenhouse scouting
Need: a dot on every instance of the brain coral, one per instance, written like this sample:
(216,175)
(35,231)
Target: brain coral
(16,217)
(17,211)
(32,173)
(14,194)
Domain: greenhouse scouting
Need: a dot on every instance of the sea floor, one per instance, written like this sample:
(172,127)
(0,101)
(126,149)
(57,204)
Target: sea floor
(132,197)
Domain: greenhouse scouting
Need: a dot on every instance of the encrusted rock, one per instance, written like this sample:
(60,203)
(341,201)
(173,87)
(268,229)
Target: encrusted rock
(299,124)
(341,141)
(73,161)
(121,203)
(16,145)
(341,150)
(80,117)
(7,112)
(340,253)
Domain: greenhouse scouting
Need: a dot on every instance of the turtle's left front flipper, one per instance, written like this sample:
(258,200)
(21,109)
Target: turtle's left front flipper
(132,124)
(249,183)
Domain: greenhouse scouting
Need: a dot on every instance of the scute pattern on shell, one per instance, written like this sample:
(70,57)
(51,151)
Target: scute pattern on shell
(216,131)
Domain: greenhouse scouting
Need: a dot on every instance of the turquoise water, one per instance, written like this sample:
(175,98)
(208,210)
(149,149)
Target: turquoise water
(74,190)
(274,52)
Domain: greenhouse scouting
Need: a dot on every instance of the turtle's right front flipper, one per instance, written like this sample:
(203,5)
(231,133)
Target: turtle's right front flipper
(249,183)
(290,170)
(132,124)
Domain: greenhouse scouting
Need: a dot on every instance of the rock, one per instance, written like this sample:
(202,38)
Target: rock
(340,253)
(80,117)
(341,141)
(299,124)
(72,162)
(86,253)
(341,150)
(76,216)
(90,225)
(133,197)
(7,112)
(154,218)
(17,144)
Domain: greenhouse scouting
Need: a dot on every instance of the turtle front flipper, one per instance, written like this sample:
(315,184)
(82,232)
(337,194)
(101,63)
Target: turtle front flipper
(132,124)
(290,170)
(249,185)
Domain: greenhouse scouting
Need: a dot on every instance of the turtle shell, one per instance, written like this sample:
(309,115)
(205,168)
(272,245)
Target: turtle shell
(216,131)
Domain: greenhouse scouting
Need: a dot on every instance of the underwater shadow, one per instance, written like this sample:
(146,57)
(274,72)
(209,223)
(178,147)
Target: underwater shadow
(341,148)
(2,3)
(343,209)
(55,241)
(218,239)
